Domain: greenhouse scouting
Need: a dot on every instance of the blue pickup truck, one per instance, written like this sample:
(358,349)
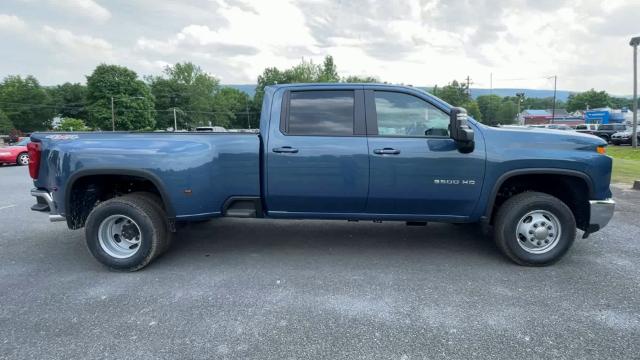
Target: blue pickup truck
(328,151)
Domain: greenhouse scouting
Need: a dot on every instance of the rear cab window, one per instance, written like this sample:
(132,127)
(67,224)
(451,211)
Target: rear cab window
(320,113)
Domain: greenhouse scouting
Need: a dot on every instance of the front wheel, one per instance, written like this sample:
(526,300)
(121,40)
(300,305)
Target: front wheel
(534,229)
(126,233)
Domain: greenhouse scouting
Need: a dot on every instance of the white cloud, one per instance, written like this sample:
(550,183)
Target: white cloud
(12,23)
(65,41)
(83,8)
(419,42)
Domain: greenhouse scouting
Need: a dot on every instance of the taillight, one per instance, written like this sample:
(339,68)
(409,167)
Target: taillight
(34,159)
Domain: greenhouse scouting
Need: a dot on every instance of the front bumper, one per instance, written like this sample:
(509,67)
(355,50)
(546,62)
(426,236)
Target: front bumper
(601,213)
(45,203)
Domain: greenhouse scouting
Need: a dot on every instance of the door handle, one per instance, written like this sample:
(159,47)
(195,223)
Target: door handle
(285,149)
(386,151)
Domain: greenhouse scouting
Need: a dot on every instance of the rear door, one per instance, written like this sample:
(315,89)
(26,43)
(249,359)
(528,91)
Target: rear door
(317,155)
(416,168)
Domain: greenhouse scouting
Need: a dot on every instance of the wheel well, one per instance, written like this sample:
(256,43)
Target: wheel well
(86,192)
(572,190)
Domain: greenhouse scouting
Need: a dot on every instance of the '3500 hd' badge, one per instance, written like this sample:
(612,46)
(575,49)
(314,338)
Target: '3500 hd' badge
(453,182)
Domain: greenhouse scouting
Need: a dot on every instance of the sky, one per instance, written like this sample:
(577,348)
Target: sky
(517,44)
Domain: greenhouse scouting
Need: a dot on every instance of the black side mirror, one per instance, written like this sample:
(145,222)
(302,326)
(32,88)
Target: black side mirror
(460,130)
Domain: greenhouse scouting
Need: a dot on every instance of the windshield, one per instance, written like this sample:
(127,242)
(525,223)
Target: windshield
(23,142)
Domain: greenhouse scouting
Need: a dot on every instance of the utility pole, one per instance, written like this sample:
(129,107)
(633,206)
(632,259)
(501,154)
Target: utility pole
(468,86)
(175,120)
(113,117)
(634,134)
(553,109)
(246,109)
(520,97)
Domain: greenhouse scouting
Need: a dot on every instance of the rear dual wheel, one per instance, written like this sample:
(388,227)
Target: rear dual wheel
(127,232)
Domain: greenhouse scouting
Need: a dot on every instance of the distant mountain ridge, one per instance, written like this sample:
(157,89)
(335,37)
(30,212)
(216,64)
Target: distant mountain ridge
(250,89)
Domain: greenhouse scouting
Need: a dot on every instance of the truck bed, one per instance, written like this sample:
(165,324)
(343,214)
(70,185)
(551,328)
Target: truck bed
(198,171)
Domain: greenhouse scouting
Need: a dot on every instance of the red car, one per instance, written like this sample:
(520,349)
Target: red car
(15,154)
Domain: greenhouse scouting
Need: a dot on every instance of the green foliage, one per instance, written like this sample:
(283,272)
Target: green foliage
(25,103)
(5,124)
(187,88)
(473,110)
(620,102)
(496,110)
(229,104)
(360,79)
(133,102)
(71,124)
(589,99)
(454,93)
(304,72)
(70,100)
(328,71)
(489,107)
(507,112)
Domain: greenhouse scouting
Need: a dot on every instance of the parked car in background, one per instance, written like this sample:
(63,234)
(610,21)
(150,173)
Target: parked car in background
(15,154)
(211,129)
(587,128)
(605,131)
(624,137)
(553,127)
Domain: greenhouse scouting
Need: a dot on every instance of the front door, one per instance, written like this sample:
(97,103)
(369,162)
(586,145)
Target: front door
(416,168)
(317,159)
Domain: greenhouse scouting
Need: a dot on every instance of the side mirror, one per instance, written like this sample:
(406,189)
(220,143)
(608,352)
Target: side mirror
(460,130)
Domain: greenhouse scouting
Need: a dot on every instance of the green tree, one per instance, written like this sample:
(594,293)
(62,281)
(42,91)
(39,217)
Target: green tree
(5,124)
(489,106)
(328,71)
(472,109)
(71,124)
(305,72)
(230,106)
(189,89)
(621,102)
(507,112)
(589,99)
(360,79)
(454,93)
(70,100)
(26,103)
(133,101)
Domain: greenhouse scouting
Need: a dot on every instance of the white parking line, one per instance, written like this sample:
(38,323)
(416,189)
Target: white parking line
(6,207)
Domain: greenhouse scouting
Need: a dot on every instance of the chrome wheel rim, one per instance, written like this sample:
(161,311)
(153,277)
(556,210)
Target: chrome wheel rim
(538,232)
(119,236)
(23,159)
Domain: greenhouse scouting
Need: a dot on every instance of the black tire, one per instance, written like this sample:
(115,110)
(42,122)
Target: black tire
(151,224)
(514,210)
(155,201)
(20,161)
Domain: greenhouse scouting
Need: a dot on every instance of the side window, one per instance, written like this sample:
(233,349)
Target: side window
(321,113)
(406,115)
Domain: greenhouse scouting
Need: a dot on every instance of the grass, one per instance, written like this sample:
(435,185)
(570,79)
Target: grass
(626,164)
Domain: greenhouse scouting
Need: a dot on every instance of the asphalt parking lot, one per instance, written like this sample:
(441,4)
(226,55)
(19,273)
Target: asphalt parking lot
(313,289)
